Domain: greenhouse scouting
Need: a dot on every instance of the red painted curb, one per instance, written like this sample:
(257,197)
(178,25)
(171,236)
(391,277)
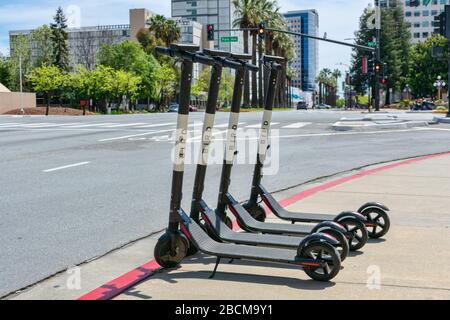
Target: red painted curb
(119,285)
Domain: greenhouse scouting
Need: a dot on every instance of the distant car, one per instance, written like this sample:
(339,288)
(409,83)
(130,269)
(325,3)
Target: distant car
(323,106)
(302,106)
(173,107)
(193,109)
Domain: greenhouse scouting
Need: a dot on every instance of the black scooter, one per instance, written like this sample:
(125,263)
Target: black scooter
(222,230)
(319,259)
(244,219)
(373,216)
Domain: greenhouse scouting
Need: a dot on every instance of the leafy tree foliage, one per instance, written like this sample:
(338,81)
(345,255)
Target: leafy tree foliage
(59,39)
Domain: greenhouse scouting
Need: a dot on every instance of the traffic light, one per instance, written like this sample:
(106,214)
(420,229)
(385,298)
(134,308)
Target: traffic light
(378,67)
(383,81)
(262,30)
(210,28)
(442,23)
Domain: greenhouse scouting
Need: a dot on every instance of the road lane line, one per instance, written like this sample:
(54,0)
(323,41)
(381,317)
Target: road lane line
(67,167)
(124,125)
(297,125)
(135,135)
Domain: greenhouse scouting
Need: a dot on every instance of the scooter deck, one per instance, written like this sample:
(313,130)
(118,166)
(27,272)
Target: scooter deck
(250,224)
(284,214)
(228,235)
(207,245)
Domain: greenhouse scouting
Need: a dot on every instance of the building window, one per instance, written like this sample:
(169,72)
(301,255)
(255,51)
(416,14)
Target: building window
(408,13)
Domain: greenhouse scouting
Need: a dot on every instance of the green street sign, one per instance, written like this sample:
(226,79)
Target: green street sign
(229,39)
(372,44)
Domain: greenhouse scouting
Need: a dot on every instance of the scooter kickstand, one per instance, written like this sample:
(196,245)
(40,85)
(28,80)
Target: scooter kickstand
(215,268)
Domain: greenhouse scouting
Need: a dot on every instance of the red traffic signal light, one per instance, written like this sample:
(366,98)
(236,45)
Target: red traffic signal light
(383,81)
(210,29)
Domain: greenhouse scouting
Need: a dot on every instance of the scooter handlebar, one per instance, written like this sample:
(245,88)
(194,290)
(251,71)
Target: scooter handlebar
(192,56)
(251,67)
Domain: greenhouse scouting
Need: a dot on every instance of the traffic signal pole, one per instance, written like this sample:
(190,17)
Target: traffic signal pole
(376,93)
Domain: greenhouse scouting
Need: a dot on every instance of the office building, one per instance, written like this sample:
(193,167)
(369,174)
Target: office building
(218,13)
(307,50)
(420,18)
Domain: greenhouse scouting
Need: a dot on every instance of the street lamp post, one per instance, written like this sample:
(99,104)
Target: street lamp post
(407,90)
(439,84)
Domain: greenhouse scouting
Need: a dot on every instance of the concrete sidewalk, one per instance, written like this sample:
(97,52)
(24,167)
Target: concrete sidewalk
(410,263)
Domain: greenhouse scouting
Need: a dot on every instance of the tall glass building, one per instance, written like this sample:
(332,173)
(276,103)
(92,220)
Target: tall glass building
(307,50)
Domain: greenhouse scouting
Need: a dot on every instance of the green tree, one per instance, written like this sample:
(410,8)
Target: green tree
(59,39)
(424,68)
(395,48)
(44,46)
(164,29)
(166,81)
(47,80)
(20,53)
(5,71)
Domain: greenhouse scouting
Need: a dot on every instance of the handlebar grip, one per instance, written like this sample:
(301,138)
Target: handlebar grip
(251,67)
(200,58)
(231,64)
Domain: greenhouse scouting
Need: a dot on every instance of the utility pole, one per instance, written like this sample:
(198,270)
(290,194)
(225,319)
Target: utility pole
(376,92)
(22,111)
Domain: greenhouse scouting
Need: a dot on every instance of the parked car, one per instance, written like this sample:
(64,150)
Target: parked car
(420,105)
(302,106)
(323,106)
(173,107)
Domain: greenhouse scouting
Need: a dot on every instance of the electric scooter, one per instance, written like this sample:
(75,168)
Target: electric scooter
(315,255)
(244,219)
(373,215)
(219,230)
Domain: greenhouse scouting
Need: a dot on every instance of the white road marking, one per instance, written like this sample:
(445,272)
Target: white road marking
(297,125)
(258,126)
(67,167)
(124,125)
(136,135)
(92,125)
(157,125)
(225,125)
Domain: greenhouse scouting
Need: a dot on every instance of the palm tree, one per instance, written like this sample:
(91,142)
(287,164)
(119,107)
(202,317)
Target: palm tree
(244,12)
(165,30)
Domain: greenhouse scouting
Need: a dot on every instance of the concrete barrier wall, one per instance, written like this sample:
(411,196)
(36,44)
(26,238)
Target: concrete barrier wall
(11,101)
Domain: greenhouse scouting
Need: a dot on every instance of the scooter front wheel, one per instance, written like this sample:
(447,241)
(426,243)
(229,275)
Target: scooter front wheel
(357,233)
(169,255)
(327,255)
(379,222)
(257,211)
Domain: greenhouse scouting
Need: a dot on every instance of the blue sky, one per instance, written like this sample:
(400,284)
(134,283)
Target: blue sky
(338,18)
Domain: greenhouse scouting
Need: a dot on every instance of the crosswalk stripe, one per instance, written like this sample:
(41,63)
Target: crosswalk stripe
(258,126)
(297,125)
(92,125)
(157,125)
(123,125)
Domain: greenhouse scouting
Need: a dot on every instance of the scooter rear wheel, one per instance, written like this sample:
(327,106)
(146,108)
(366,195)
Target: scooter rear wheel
(323,252)
(256,211)
(163,254)
(381,220)
(357,232)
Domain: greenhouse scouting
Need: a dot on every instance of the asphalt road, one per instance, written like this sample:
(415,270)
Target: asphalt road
(75,188)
